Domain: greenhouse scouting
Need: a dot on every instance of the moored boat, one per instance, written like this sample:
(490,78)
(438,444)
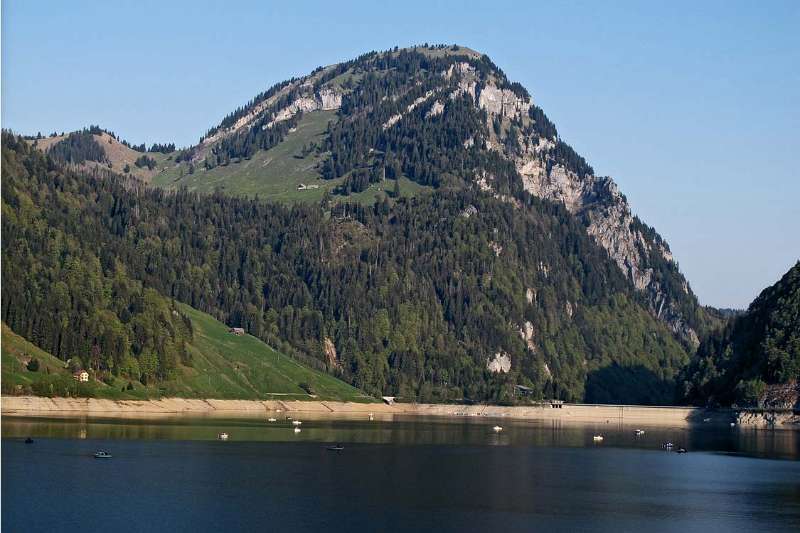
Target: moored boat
(102,455)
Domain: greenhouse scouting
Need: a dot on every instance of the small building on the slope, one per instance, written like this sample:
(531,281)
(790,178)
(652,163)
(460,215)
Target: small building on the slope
(81,376)
(236,331)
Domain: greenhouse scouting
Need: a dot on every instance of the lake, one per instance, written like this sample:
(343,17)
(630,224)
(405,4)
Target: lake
(410,474)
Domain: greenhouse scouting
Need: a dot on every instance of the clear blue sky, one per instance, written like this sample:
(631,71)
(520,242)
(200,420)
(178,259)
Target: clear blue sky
(693,109)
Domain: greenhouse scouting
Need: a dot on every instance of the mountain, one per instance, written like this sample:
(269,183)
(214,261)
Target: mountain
(755,359)
(432,118)
(425,234)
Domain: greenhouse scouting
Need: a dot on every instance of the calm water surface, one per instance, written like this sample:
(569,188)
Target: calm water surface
(411,474)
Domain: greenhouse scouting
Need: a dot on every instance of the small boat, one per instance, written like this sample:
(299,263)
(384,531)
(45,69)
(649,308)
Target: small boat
(296,422)
(498,429)
(667,445)
(297,430)
(681,450)
(102,455)
(222,436)
(733,424)
(272,420)
(639,432)
(597,438)
(707,420)
(29,441)
(336,448)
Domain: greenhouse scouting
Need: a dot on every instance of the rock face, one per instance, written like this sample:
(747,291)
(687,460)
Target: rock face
(500,363)
(325,100)
(502,102)
(331,356)
(526,333)
(595,199)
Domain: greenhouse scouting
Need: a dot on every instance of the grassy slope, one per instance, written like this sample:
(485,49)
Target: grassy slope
(229,366)
(225,366)
(276,173)
(16,351)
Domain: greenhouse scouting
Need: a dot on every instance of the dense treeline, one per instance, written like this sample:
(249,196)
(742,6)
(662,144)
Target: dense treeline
(67,297)
(416,295)
(756,349)
(164,148)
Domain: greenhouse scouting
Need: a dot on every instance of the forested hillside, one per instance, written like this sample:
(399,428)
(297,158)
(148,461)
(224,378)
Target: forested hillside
(756,350)
(456,295)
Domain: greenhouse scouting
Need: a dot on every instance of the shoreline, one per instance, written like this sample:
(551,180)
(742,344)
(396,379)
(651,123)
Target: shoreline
(33,406)
(649,416)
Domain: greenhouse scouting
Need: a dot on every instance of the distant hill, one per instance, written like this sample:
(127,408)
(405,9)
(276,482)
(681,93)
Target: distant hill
(756,357)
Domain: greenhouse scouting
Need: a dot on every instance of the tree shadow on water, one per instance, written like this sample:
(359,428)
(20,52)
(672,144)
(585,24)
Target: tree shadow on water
(632,385)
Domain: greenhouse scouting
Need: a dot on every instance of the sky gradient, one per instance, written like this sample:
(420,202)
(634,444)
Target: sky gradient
(692,109)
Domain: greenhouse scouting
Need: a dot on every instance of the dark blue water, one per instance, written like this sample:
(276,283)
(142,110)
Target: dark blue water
(400,482)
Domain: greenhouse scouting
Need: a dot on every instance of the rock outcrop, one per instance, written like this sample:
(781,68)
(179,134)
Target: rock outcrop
(325,100)
(500,363)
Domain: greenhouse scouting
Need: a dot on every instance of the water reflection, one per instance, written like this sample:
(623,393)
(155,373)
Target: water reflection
(408,430)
